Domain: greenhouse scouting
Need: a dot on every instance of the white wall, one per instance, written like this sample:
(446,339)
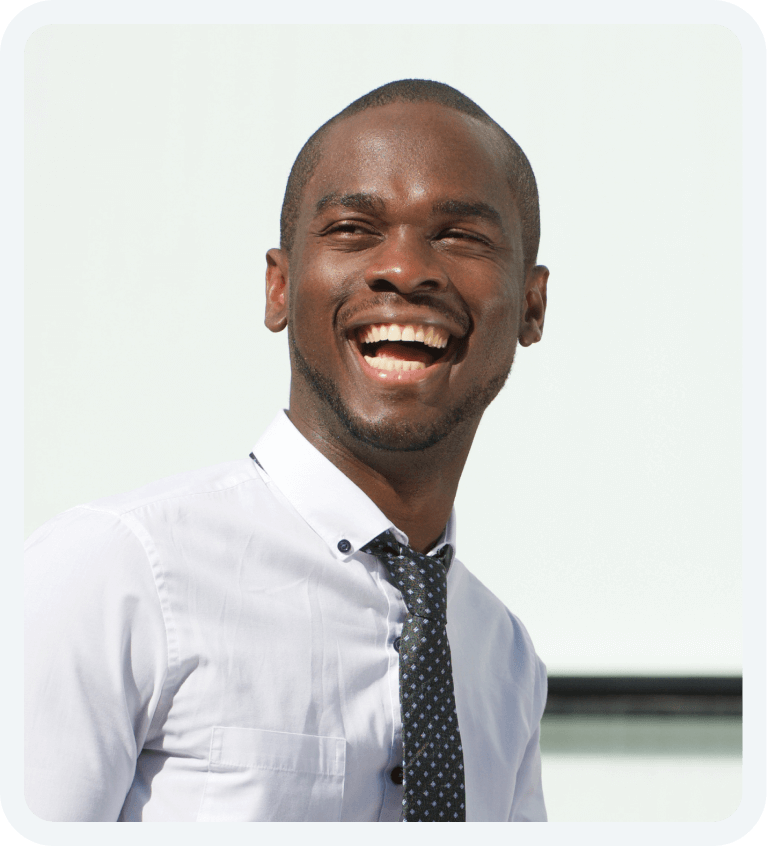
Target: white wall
(602,500)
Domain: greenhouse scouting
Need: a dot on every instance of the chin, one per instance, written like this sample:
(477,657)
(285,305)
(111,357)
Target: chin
(391,435)
(398,434)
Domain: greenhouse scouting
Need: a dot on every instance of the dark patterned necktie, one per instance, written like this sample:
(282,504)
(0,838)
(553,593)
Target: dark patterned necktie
(433,757)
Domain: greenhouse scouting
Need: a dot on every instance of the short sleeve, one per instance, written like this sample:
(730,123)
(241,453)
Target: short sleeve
(96,659)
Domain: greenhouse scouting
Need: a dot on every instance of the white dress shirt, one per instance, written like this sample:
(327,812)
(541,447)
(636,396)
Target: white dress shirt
(200,649)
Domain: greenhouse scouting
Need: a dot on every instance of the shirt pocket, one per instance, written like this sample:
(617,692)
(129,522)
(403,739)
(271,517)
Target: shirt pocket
(273,776)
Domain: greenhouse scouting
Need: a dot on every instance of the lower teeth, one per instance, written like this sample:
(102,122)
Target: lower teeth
(393,363)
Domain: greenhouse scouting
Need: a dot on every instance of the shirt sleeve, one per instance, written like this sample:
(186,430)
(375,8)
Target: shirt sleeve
(528,804)
(96,658)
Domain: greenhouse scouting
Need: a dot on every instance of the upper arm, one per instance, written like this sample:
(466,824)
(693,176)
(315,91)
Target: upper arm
(528,803)
(95,663)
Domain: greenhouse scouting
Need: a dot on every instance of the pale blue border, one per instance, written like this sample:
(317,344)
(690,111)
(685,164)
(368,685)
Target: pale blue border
(754,374)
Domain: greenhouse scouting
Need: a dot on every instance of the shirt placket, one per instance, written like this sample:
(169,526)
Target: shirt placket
(392,800)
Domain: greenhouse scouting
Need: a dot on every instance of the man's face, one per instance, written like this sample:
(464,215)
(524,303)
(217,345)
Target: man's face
(405,291)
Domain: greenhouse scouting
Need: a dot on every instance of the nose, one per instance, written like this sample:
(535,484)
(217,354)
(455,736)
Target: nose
(405,262)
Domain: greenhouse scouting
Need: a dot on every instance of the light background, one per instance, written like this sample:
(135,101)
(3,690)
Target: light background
(602,498)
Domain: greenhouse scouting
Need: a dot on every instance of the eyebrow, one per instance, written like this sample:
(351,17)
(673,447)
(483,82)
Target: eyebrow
(462,208)
(361,202)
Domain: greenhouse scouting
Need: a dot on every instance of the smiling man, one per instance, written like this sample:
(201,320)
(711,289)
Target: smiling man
(291,637)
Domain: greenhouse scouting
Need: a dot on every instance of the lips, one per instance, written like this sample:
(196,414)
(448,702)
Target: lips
(401,347)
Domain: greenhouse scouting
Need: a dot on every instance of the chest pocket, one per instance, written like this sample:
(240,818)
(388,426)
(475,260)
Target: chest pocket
(273,776)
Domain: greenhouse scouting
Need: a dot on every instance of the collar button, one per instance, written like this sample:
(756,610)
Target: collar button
(344,545)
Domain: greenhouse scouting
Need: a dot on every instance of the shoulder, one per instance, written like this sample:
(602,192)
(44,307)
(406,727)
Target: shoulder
(488,627)
(208,481)
(181,488)
(478,602)
(116,536)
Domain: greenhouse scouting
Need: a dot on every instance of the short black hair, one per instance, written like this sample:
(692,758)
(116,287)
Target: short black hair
(519,172)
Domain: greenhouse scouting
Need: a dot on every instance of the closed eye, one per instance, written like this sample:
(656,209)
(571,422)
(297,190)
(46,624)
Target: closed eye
(463,235)
(349,227)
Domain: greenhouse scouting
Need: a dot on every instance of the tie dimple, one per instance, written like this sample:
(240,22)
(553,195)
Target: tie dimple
(433,756)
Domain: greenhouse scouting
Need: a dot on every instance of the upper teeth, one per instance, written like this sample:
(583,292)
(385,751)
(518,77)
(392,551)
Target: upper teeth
(432,336)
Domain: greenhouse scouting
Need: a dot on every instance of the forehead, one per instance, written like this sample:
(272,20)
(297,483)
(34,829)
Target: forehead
(415,147)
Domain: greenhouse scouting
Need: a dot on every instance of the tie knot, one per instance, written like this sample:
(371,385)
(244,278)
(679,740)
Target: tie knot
(422,579)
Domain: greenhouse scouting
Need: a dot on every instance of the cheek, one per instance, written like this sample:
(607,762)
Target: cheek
(309,330)
(498,322)
(314,302)
(321,280)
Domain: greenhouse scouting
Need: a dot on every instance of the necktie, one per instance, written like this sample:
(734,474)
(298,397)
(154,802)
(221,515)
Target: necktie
(433,757)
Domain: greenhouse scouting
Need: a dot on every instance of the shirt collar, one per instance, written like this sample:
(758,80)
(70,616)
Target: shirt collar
(335,508)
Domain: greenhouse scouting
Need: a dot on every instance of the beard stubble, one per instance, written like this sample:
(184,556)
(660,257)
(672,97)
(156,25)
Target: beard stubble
(399,435)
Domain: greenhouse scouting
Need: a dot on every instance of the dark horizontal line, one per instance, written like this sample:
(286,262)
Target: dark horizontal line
(700,696)
(645,685)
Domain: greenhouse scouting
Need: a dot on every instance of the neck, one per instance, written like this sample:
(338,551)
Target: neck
(415,490)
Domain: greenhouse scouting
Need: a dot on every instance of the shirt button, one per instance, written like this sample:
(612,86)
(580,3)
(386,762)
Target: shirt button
(344,545)
(396,643)
(397,775)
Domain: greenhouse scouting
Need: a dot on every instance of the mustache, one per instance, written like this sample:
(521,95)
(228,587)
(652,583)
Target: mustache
(390,298)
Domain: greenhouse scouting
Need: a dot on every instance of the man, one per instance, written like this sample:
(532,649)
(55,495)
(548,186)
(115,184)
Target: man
(265,640)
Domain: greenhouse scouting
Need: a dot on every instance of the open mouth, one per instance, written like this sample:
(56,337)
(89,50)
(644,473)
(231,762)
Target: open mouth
(402,347)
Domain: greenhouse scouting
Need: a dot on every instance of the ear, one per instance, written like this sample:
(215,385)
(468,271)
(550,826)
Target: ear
(277,274)
(531,328)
